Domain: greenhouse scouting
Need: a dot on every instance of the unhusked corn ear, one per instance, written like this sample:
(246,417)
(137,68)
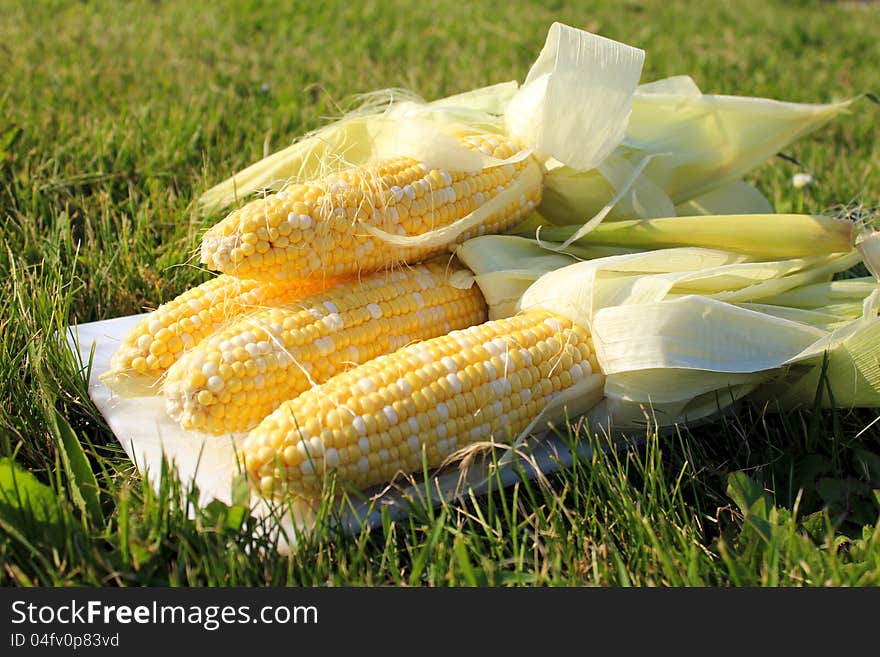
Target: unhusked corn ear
(158,339)
(374,421)
(236,377)
(314,228)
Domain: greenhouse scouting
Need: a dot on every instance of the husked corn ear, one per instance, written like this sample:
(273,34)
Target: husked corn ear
(437,396)
(236,377)
(157,340)
(313,228)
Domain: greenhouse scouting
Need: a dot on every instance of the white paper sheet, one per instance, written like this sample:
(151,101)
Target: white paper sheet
(146,432)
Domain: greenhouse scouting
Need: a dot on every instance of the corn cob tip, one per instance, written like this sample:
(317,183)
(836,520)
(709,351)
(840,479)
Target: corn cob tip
(161,337)
(216,250)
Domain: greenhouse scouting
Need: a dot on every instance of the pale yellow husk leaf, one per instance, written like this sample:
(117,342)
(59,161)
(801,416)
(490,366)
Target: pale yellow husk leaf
(697,142)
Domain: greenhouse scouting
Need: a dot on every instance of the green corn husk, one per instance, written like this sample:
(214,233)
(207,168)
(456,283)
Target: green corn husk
(687,356)
(689,143)
(827,318)
(734,197)
(849,378)
(794,238)
(504,266)
(826,294)
(843,369)
(760,235)
(681,333)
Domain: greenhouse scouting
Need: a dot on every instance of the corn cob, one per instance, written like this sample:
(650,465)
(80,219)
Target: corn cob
(436,396)
(158,339)
(310,229)
(236,377)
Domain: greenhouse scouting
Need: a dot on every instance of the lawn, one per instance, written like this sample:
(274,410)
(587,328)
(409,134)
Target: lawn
(117,116)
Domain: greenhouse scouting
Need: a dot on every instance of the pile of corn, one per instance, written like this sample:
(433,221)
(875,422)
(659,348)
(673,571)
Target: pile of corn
(349,333)
(365,371)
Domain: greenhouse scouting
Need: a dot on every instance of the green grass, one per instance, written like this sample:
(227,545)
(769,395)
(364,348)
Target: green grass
(116,116)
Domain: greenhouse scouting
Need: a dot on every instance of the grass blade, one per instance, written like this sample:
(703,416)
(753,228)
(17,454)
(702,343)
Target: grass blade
(81,480)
